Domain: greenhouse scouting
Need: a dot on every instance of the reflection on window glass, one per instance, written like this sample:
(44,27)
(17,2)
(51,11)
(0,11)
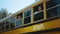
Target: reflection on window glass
(27,13)
(51,12)
(38,12)
(27,17)
(19,22)
(50,3)
(57,1)
(12,22)
(58,8)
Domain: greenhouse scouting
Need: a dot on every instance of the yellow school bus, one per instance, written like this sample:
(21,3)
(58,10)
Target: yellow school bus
(41,17)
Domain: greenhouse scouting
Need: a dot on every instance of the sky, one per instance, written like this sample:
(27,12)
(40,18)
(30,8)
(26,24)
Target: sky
(13,6)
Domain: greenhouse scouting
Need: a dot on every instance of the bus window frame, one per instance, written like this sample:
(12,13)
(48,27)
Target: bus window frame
(19,19)
(27,16)
(44,7)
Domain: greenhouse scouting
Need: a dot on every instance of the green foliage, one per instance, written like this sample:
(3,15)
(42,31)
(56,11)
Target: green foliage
(3,13)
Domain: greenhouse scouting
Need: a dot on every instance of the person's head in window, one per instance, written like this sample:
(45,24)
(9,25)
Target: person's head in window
(39,8)
(19,17)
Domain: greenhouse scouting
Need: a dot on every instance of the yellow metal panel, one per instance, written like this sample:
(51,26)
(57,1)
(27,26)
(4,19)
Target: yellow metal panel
(17,31)
(43,26)
(52,24)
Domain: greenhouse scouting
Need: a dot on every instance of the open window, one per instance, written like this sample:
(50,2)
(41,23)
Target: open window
(38,12)
(27,16)
(19,19)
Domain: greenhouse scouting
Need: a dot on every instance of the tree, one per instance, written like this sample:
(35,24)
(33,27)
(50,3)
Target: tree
(3,13)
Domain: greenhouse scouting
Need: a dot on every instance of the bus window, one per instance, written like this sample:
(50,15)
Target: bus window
(50,3)
(51,7)
(38,12)
(3,28)
(58,8)
(12,25)
(2,25)
(27,17)
(11,21)
(7,21)
(7,24)
(7,27)
(57,2)
(19,20)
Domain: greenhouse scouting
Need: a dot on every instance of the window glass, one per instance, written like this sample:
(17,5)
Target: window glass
(19,20)
(27,17)
(50,3)
(2,25)
(52,8)
(12,25)
(58,8)
(7,24)
(27,13)
(7,27)
(11,21)
(38,12)
(57,1)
